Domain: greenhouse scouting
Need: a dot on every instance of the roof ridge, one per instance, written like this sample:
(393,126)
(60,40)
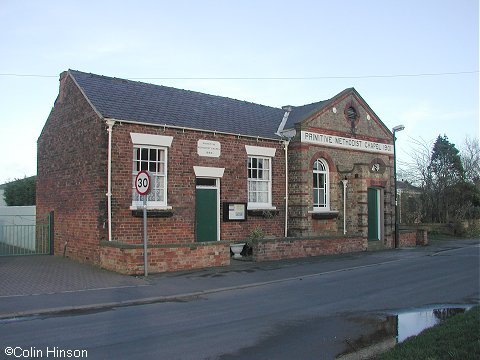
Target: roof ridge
(315,102)
(172,88)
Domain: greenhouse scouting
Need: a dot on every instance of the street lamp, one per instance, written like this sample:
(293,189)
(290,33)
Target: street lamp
(394,130)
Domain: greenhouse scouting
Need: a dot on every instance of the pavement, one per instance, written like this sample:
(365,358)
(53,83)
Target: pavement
(41,285)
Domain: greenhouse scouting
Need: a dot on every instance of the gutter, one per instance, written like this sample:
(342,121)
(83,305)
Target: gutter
(183,128)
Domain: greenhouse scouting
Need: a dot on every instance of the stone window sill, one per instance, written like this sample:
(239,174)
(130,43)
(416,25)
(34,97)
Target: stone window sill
(265,213)
(324,214)
(150,207)
(154,212)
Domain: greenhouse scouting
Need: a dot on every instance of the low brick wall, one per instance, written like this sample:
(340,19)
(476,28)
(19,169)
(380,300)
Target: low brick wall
(422,237)
(128,258)
(290,248)
(408,238)
(413,237)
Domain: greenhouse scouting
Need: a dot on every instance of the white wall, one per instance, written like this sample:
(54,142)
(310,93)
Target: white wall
(23,234)
(2,201)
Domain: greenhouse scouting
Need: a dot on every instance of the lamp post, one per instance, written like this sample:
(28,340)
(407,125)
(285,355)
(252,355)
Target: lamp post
(394,130)
(345,182)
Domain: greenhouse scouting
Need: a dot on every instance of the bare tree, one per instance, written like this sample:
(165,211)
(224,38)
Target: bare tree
(449,181)
(415,170)
(470,155)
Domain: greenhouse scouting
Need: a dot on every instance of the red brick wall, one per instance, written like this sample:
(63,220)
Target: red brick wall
(182,157)
(422,237)
(287,248)
(72,181)
(129,259)
(356,167)
(413,237)
(71,174)
(343,163)
(408,238)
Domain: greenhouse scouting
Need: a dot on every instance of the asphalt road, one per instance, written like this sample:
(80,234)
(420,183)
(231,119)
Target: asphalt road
(310,317)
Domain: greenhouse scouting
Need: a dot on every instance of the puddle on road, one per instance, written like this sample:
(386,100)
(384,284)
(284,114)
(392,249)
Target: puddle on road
(394,329)
(412,323)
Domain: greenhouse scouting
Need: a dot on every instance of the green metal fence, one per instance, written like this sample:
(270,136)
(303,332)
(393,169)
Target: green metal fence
(26,234)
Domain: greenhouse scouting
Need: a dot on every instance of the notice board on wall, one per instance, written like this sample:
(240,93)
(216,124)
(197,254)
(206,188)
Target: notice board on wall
(234,211)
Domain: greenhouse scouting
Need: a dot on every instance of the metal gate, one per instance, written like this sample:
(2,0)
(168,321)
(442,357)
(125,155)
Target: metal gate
(26,234)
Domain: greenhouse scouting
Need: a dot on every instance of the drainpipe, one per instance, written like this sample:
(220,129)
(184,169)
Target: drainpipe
(285,135)
(344,182)
(110,124)
(286,143)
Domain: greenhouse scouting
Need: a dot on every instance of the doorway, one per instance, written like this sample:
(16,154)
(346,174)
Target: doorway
(375,211)
(207,209)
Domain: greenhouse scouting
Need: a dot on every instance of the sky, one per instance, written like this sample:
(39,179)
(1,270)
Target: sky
(415,62)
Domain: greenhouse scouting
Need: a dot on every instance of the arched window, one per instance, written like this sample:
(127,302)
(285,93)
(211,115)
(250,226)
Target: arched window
(321,196)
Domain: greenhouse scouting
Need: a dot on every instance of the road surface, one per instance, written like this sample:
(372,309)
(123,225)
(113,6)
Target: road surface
(316,316)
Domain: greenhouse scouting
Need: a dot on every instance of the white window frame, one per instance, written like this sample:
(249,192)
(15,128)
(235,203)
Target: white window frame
(264,153)
(326,183)
(151,142)
(151,203)
(254,204)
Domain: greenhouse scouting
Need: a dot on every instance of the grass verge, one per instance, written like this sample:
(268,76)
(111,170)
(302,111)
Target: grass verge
(455,338)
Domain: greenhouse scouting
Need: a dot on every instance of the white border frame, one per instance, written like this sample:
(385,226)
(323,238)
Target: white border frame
(216,187)
(208,172)
(151,140)
(327,188)
(260,151)
(263,206)
(159,141)
(136,205)
(341,142)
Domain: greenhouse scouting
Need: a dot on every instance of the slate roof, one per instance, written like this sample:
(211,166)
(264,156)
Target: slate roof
(299,113)
(160,105)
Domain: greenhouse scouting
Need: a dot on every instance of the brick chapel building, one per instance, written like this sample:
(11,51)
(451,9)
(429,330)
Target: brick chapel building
(316,179)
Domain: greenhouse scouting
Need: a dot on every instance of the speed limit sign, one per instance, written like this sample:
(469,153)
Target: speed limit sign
(142,182)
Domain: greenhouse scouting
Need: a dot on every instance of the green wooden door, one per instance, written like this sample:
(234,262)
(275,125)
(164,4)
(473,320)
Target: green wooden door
(373,218)
(206,215)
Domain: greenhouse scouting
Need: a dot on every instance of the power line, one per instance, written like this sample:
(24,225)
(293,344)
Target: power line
(29,75)
(307,77)
(274,78)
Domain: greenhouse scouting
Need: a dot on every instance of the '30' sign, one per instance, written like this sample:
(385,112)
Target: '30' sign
(142,182)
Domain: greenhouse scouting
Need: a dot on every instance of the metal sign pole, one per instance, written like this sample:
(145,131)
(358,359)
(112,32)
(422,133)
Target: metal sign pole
(142,185)
(145,259)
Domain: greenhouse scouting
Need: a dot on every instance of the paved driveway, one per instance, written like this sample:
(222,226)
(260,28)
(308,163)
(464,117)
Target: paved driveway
(43,274)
